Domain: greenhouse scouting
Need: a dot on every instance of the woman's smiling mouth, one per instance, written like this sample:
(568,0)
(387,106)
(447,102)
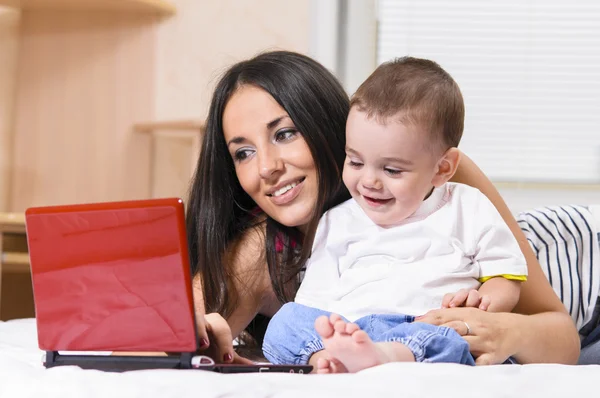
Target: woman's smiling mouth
(286,193)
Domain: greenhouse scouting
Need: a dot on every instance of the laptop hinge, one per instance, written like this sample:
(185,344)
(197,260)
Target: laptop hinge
(186,360)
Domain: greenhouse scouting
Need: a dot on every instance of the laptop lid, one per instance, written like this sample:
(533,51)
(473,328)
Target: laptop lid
(112,277)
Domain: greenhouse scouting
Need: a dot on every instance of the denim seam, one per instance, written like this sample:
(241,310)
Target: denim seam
(310,348)
(444,330)
(417,343)
(268,352)
(371,318)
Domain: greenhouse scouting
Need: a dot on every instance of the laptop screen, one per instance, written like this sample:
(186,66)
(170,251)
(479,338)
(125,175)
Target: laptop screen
(112,277)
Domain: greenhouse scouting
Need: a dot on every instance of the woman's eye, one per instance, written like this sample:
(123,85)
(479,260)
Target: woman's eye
(241,154)
(393,172)
(352,163)
(284,135)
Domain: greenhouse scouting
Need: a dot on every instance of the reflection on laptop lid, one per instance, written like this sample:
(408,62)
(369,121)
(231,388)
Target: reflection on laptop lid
(112,276)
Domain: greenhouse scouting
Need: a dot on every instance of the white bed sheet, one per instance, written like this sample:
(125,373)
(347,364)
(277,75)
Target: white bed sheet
(23,375)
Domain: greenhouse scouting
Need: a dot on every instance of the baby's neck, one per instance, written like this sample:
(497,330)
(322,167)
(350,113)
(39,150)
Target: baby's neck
(400,222)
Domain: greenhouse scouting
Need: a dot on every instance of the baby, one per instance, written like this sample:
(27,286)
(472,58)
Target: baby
(407,242)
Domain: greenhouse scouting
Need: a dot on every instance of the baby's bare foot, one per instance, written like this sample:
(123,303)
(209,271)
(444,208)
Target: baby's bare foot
(332,365)
(351,349)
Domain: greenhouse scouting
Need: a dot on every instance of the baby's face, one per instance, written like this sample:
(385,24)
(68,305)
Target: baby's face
(389,168)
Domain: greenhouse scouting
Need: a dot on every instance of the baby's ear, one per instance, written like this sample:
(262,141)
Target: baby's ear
(447,166)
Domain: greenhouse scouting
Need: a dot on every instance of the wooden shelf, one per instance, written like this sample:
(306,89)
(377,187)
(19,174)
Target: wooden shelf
(15,262)
(170,125)
(12,222)
(160,7)
(174,150)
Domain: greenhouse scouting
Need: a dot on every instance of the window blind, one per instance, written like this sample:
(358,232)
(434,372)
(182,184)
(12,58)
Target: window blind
(529,72)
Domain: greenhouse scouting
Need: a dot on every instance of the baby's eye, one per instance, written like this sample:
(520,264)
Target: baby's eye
(284,135)
(393,172)
(352,163)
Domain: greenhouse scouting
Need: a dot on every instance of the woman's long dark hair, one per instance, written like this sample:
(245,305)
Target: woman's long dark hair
(218,208)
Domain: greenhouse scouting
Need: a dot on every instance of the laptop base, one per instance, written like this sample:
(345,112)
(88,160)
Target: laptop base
(182,361)
(119,363)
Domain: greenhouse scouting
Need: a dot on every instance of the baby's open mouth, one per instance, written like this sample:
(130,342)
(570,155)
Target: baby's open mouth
(376,201)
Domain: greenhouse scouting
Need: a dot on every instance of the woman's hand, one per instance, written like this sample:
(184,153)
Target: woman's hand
(491,336)
(216,340)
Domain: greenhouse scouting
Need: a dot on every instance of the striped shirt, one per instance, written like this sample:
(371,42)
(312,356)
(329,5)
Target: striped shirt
(565,241)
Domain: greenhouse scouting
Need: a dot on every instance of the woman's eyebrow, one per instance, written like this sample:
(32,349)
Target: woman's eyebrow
(270,125)
(236,140)
(273,123)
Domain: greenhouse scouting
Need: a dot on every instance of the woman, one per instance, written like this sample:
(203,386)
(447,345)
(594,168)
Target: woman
(270,166)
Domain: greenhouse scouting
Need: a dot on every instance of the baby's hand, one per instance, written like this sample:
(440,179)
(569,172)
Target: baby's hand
(466,298)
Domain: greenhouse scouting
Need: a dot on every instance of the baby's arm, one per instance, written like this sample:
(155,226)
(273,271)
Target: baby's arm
(503,294)
(502,266)
(496,294)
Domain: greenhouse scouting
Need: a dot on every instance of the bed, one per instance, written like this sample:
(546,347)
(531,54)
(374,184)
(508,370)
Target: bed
(23,375)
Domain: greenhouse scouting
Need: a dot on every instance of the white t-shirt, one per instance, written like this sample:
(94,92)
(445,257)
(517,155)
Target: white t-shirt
(454,239)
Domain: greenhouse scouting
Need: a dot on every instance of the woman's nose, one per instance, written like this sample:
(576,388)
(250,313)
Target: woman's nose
(269,163)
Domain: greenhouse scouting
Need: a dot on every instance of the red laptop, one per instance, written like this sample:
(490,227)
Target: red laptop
(116,276)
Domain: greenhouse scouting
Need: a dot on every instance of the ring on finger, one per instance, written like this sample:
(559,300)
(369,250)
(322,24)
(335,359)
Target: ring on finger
(468,328)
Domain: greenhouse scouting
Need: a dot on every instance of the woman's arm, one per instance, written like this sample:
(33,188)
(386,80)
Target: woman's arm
(548,334)
(536,293)
(249,275)
(493,337)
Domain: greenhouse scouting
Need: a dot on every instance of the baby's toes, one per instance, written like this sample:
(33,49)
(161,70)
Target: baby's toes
(360,336)
(324,327)
(351,328)
(324,366)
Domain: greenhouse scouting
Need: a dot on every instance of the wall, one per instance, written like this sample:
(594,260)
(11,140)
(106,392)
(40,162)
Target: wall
(9,44)
(196,45)
(529,197)
(84,78)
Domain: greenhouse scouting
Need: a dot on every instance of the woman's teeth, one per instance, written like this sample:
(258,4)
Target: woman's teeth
(283,190)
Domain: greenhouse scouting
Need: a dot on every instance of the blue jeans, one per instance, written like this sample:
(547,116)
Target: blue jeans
(590,346)
(590,352)
(291,337)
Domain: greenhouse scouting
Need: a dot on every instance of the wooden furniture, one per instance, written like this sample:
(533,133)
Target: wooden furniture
(174,151)
(159,7)
(84,74)
(16,294)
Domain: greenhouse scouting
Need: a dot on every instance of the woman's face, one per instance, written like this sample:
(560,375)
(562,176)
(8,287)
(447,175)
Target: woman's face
(272,160)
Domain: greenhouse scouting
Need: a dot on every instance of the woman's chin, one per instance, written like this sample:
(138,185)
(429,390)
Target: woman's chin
(294,218)
(300,223)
